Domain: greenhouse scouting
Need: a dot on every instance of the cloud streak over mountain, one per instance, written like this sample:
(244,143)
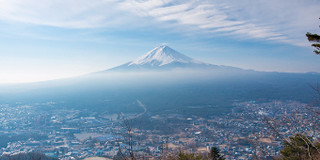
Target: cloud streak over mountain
(226,18)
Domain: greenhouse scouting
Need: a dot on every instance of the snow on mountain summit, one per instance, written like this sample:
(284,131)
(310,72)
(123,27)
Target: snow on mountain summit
(162,58)
(162,55)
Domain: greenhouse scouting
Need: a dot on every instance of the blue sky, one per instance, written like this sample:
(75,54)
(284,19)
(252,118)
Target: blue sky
(51,39)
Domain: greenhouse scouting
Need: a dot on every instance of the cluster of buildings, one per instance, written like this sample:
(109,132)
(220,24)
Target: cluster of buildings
(251,130)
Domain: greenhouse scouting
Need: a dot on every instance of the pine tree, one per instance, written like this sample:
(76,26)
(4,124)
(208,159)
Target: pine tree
(215,154)
(300,147)
(315,40)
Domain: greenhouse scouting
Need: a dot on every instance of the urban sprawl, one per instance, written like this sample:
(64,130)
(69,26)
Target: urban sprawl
(251,129)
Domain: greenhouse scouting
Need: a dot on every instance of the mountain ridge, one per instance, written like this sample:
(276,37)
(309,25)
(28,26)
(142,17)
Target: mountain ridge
(163,58)
(162,55)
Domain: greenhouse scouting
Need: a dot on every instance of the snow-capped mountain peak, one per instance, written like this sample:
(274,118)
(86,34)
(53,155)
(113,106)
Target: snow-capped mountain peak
(161,56)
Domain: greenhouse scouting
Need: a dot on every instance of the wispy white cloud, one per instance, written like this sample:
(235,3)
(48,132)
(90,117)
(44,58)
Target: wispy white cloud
(64,13)
(270,20)
(282,21)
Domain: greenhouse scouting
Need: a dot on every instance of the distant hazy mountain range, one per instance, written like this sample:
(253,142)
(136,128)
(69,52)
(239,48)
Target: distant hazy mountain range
(163,58)
(182,85)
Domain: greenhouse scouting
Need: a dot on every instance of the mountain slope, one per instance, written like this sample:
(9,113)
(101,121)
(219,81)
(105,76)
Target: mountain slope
(162,58)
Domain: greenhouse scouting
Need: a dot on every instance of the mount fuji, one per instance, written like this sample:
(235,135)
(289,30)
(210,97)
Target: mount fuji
(163,58)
